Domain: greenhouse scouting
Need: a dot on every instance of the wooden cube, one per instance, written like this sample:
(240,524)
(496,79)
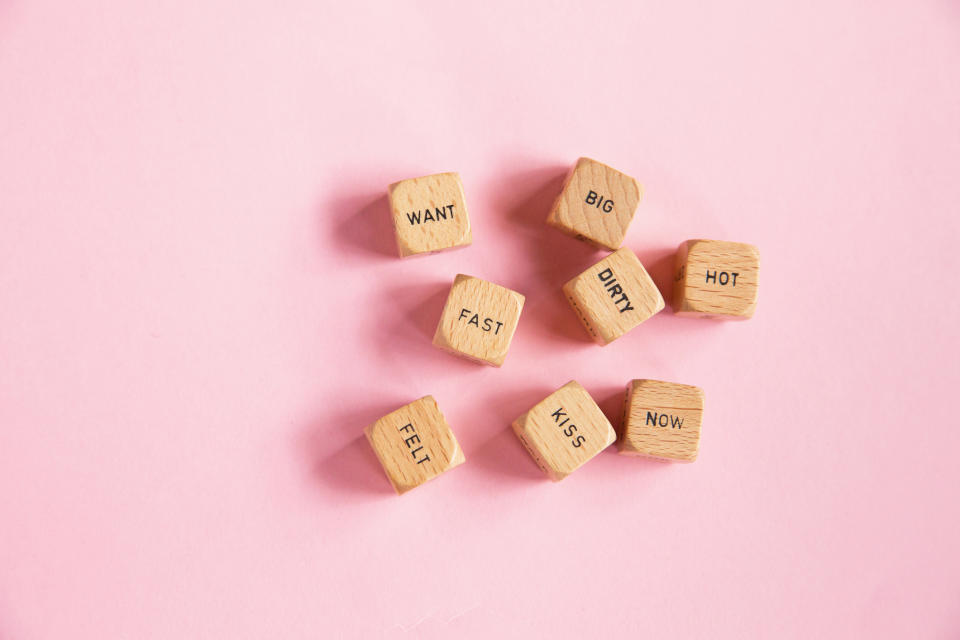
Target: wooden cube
(613,296)
(478,320)
(661,420)
(429,214)
(596,204)
(564,430)
(716,279)
(414,444)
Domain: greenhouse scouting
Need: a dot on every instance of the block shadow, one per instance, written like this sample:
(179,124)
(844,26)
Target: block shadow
(363,223)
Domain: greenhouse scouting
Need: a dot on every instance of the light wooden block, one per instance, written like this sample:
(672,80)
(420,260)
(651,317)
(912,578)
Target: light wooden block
(613,296)
(716,279)
(478,320)
(596,204)
(661,420)
(414,444)
(429,214)
(564,430)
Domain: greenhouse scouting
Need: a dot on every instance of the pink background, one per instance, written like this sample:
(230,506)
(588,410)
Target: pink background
(201,308)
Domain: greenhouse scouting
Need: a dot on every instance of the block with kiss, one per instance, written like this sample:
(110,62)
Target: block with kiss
(564,430)
(661,420)
(596,204)
(716,279)
(429,214)
(613,296)
(478,320)
(414,444)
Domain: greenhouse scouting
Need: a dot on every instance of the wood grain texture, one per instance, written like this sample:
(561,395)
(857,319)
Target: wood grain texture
(429,214)
(414,444)
(478,320)
(716,279)
(613,296)
(564,430)
(589,217)
(661,420)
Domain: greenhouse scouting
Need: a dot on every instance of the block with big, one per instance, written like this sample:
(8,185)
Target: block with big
(414,444)
(661,420)
(478,320)
(429,214)
(564,430)
(596,204)
(613,296)
(716,279)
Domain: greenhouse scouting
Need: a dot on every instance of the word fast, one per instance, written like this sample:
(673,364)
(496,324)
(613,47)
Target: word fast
(569,431)
(475,320)
(412,440)
(614,289)
(437,214)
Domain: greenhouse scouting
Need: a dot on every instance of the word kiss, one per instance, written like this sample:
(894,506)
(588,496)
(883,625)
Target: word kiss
(569,431)
(428,216)
(614,289)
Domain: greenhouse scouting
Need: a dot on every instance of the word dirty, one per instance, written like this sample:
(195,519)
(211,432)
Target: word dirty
(426,215)
(475,320)
(576,441)
(412,440)
(664,420)
(614,289)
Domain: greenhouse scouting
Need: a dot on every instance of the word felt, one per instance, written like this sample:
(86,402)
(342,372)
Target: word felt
(716,279)
(564,430)
(661,420)
(478,320)
(429,214)
(414,444)
(596,204)
(613,296)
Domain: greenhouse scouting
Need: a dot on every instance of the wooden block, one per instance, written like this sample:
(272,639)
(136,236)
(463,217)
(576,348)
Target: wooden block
(716,279)
(429,214)
(478,320)
(564,430)
(596,204)
(414,444)
(613,296)
(661,420)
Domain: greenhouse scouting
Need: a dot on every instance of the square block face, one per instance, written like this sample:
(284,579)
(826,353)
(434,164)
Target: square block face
(596,204)
(716,279)
(478,320)
(414,444)
(662,420)
(613,296)
(564,430)
(429,214)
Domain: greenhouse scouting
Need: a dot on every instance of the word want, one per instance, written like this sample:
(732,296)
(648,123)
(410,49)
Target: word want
(569,431)
(614,289)
(597,200)
(475,321)
(437,214)
(412,440)
(724,277)
(664,420)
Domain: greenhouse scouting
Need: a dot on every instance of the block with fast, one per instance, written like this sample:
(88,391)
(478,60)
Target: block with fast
(429,214)
(414,444)
(661,420)
(715,279)
(478,320)
(564,430)
(596,204)
(613,296)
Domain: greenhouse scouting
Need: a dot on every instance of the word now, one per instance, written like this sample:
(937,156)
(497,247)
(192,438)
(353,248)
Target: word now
(437,214)
(569,431)
(614,289)
(664,420)
(596,199)
(723,277)
(475,321)
(412,440)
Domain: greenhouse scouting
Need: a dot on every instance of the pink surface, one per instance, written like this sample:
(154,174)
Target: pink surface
(200,309)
